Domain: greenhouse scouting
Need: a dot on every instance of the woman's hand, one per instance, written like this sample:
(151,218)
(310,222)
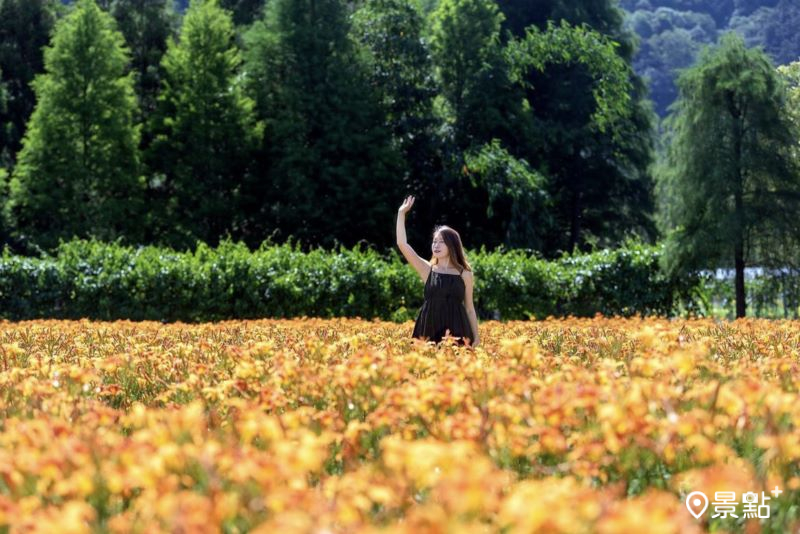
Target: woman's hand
(407,203)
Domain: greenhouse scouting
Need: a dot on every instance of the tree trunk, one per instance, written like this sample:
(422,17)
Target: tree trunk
(738,195)
(739,282)
(575,220)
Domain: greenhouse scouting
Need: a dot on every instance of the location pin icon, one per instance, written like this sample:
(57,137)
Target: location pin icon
(697,502)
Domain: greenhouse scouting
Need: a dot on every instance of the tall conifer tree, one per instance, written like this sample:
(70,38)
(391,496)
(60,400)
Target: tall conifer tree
(332,172)
(78,170)
(146,25)
(204,132)
(729,186)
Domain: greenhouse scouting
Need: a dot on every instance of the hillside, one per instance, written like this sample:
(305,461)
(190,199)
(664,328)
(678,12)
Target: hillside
(673,31)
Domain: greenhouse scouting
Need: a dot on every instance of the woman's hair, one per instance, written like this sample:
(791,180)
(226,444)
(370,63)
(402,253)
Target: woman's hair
(453,242)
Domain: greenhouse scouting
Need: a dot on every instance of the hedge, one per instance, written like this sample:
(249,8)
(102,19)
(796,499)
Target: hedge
(95,280)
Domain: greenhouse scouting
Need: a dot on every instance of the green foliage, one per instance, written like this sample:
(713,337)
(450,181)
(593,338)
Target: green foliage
(111,281)
(775,293)
(625,281)
(518,199)
(399,66)
(672,33)
(729,187)
(3,198)
(560,96)
(326,137)
(78,171)
(661,55)
(647,24)
(362,101)
(589,130)
(568,44)
(399,62)
(465,38)
(771,25)
(146,27)
(3,98)
(669,39)
(603,16)
(478,99)
(782,41)
(205,131)
(791,75)
(244,11)
(25,27)
(478,103)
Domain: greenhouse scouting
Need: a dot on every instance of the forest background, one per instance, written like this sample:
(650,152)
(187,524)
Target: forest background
(554,127)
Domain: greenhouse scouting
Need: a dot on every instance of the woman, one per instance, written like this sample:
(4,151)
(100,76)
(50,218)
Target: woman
(448,307)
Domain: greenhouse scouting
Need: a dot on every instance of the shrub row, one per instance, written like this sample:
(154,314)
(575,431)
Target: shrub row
(90,279)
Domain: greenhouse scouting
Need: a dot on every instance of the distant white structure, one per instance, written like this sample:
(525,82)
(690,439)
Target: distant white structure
(753,272)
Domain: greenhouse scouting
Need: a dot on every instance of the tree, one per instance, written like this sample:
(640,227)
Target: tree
(399,66)
(3,95)
(204,132)
(600,183)
(480,101)
(146,25)
(332,172)
(78,170)
(518,202)
(791,75)
(25,27)
(244,11)
(3,172)
(729,189)
(478,104)
(590,134)
(3,196)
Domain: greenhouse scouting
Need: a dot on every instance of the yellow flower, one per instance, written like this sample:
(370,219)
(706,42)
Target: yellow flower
(549,505)
(654,512)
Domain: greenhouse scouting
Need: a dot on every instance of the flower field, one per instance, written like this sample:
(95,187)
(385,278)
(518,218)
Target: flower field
(309,425)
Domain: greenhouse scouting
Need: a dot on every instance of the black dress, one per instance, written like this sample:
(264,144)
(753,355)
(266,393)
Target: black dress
(443,309)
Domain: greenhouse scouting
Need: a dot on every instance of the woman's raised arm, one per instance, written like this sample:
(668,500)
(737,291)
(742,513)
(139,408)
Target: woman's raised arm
(419,264)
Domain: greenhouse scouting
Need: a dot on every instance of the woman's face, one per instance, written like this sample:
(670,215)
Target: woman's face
(438,247)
